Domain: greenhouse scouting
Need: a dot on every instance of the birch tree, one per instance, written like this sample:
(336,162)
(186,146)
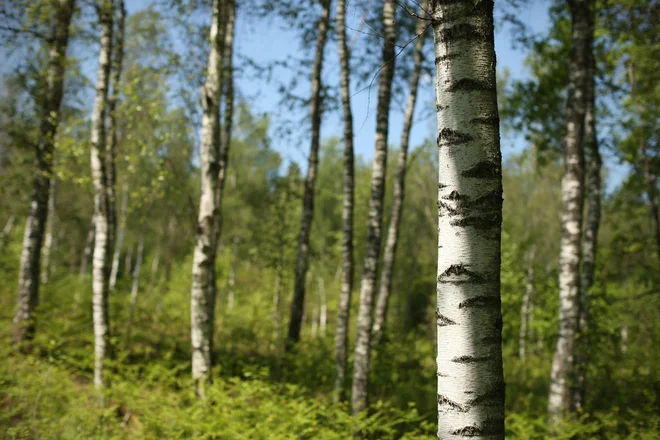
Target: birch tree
(203,272)
(560,399)
(527,306)
(302,258)
(469,320)
(49,241)
(100,269)
(28,281)
(389,254)
(119,243)
(341,341)
(359,397)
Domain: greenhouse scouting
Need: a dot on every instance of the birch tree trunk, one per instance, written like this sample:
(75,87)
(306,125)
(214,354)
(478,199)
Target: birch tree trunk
(100,267)
(28,281)
(559,402)
(469,319)
(135,286)
(88,250)
(203,273)
(111,142)
(302,258)
(48,241)
(359,397)
(6,231)
(155,262)
(343,312)
(526,308)
(590,241)
(119,243)
(231,282)
(399,191)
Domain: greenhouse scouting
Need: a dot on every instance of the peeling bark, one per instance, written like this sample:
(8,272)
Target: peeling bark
(469,320)
(302,258)
(28,281)
(359,397)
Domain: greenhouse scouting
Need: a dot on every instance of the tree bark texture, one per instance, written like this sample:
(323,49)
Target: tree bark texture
(28,281)
(469,320)
(205,247)
(88,249)
(302,258)
(359,397)
(343,312)
(559,402)
(100,267)
(50,226)
(389,254)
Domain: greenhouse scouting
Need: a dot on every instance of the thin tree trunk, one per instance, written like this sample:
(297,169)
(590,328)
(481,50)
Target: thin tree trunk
(6,231)
(100,272)
(343,312)
(359,398)
(590,241)
(28,281)
(469,319)
(155,262)
(399,192)
(86,256)
(559,402)
(135,287)
(232,274)
(651,190)
(315,319)
(111,142)
(323,309)
(119,243)
(48,242)
(302,258)
(526,307)
(203,272)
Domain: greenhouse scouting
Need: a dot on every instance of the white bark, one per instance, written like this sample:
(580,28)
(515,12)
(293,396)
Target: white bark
(88,249)
(100,272)
(49,239)
(359,398)
(6,231)
(323,309)
(469,320)
(201,310)
(135,286)
(560,399)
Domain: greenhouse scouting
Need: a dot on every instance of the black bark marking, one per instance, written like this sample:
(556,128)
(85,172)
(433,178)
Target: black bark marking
(471,85)
(447,136)
(492,120)
(463,32)
(442,320)
(441,185)
(461,272)
(439,107)
(471,359)
(480,302)
(445,58)
(492,397)
(443,401)
(454,195)
(442,374)
(491,427)
(478,222)
(484,170)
